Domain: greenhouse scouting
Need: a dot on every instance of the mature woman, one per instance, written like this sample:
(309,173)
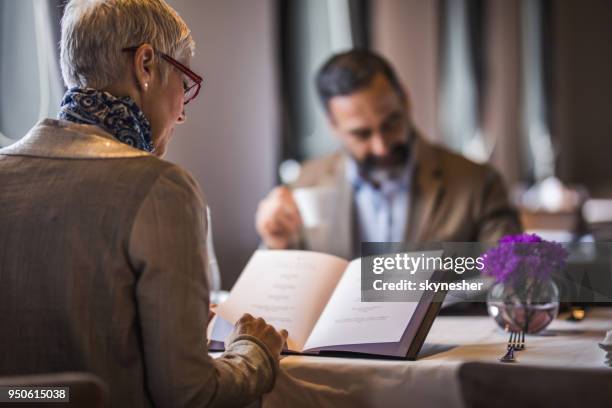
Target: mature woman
(102,243)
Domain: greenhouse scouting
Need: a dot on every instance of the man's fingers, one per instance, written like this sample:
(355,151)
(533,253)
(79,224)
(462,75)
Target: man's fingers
(291,210)
(278,213)
(288,222)
(284,334)
(281,192)
(283,199)
(291,216)
(246,317)
(281,227)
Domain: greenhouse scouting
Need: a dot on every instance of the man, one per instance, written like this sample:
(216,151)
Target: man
(390,184)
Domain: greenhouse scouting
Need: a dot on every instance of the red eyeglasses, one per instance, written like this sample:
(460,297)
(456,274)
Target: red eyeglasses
(192,81)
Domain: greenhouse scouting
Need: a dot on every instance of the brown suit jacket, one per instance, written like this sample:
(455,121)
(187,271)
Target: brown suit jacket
(103,269)
(452,199)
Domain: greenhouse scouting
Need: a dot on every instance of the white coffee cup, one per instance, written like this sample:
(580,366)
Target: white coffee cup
(315,204)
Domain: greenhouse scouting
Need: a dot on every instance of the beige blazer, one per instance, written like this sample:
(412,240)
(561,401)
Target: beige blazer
(451,200)
(102,269)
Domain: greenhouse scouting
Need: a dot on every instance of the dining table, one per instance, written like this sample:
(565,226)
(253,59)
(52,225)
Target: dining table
(432,380)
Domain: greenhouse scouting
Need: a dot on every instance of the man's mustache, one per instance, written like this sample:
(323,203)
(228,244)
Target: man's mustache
(398,156)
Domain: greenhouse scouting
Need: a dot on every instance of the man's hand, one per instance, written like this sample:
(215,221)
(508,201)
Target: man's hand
(258,328)
(278,219)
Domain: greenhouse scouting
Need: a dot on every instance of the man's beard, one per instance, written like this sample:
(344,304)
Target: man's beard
(379,169)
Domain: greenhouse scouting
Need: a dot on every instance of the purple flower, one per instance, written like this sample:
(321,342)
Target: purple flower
(521,238)
(517,257)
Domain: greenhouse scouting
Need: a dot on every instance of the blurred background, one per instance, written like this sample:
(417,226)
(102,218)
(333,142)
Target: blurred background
(522,84)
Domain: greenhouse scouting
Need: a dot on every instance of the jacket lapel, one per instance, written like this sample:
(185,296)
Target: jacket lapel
(342,226)
(426,192)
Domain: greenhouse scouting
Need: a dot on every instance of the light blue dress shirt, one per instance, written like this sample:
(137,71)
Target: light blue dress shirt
(381,213)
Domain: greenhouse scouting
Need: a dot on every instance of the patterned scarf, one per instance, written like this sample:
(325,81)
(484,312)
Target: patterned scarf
(120,117)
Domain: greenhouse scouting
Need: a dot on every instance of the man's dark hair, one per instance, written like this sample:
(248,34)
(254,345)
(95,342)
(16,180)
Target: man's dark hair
(351,71)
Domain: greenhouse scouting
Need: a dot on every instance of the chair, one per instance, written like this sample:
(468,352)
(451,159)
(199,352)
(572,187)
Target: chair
(86,390)
(502,385)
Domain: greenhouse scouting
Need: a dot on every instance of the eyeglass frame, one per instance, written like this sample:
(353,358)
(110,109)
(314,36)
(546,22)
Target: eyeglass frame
(181,67)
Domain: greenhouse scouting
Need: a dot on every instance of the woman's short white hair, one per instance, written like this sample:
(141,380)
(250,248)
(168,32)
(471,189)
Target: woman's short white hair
(94,32)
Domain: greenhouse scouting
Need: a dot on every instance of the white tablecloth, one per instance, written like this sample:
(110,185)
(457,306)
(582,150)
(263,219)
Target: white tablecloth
(432,381)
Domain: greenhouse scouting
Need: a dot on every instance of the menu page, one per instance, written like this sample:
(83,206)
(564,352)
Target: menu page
(289,289)
(348,320)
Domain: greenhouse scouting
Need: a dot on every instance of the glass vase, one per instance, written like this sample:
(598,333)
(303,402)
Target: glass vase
(528,307)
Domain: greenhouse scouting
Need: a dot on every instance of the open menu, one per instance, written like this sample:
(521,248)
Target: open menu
(317,298)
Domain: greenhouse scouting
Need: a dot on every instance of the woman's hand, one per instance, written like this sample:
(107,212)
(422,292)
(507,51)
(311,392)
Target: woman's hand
(257,327)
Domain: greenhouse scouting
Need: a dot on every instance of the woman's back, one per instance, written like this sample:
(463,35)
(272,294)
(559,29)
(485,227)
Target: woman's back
(68,284)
